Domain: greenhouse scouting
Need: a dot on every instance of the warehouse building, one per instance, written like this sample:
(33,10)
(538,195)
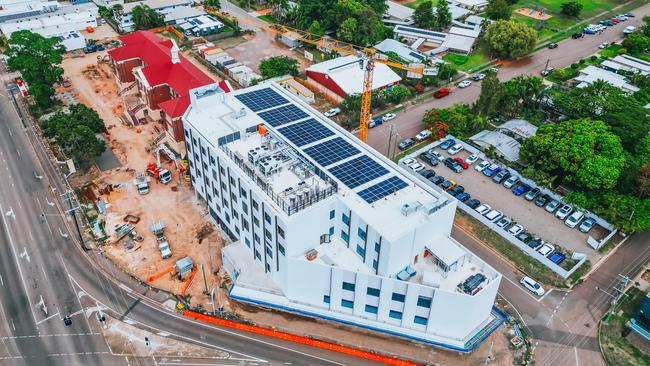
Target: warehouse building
(324,226)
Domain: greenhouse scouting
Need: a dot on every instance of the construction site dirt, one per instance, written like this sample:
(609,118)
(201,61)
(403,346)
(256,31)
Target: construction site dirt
(190,232)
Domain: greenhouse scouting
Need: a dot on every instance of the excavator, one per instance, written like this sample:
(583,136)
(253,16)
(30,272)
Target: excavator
(156,170)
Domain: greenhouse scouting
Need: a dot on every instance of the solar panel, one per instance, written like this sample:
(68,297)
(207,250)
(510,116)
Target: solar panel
(303,133)
(283,115)
(358,171)
(261,99)
(331,151)
(382,189)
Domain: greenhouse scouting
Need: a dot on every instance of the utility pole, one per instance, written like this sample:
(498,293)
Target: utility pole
(392,141)
(618,290)
(205,282)
(73,207)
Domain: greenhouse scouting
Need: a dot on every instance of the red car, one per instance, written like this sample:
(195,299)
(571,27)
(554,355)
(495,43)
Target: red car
(614,20)
(441,93)
(462,163)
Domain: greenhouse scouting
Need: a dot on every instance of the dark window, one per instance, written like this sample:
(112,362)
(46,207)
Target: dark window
(346,219)
(331,232)
(256,221)
(214,175)
(255,206)
(267,217)
(420,320)
(361,251)
(348,286)
(424,302)
(233,181)
(235,215)
(373,291)
(234,198)
(395,314)
(332,214)
(281,249)
(326,299)
(375,264)
(280,232)
(398,297)
(267,234)
(371,309)
(227,218)
(347,304)
(344,236)
(212,161)
(269,253)
(361,233)
(248,242)
(193,141)
(257,255)
(244,207)
(242,193)
(222,170)
(257,238)
(203,150)
(244,224)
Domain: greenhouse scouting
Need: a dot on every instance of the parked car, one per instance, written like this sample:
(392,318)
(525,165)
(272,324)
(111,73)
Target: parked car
(542,200)
(603,45)
(458,189)
(532,286)
(464,84)
(473,203)
(614,20)
(448,184)
(629,30)
(408,161)
(515,229)
(463,197)
(552,46)
(532,194)
(535,243)
(423,135)
(629,15)
(546,249)
(462,163)
(587,224)
(577,35)
(573,220)
(455,149)
(494,69)
(471,159)
(375,122)
(428,173)
(510,182)
(449,162)
(482,165)
(621,17)
(501,176)
(483,209)
(388,116)
(436,154)
(504,222)
(447,144)
(557,258)
(563,212)
(437,180)
(405,144)
(524,237)
(608,22)
(552,206)
(332,112)
(429,159)
(440,93)
(546,72)
(521,189)
(478,77)
(493,215)
(417,167)
(491,170)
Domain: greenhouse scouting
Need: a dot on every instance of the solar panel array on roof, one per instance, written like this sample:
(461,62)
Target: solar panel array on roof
(358,171)
(306,132)
(382,189)
(331,151)
(283,115)
(421,31)
(261,99)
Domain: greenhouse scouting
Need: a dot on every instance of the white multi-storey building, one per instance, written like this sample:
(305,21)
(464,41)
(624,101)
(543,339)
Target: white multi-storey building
(162,7)
(325,226)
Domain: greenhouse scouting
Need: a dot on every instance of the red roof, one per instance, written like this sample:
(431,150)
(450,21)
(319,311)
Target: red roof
(155,53)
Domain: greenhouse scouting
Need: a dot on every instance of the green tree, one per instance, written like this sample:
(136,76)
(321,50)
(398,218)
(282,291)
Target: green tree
(457,120)
(146,18)
(622,210)
(636,42)
(571,9)
(423,15)
(498,10)
(584,152)
(117,10)
(397,94)
(316,28)
(348,31)
(443,15)
(279,7)
(212,4)
(74,132)
(510,39)
(278,66)
(446,72)
(37,58)
(489,101)
(351,108)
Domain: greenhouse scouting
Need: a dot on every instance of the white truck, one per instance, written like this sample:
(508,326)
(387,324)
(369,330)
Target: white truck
(165,251)
(142,183)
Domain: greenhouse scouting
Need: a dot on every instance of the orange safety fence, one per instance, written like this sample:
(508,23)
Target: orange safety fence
(189,281)
(158,275)
(299,339)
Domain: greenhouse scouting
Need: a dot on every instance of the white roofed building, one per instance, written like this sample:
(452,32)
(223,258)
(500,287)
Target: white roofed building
(591,73)
(324,226)
(343,76)
(400,49)
(162,7)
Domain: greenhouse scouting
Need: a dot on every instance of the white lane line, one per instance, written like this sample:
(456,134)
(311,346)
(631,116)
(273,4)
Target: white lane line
(1,281)
(48,318)
(575,352)
(12,324)
(20,271)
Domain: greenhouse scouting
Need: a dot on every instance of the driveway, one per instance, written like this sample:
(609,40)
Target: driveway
(409,121)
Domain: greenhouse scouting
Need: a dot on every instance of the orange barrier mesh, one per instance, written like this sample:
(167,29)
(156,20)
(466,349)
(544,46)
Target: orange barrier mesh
(299,339)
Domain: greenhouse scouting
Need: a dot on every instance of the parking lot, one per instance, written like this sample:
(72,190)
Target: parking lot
(535,220)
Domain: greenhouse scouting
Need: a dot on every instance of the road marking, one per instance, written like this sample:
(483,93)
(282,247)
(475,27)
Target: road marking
(125,288)
(25,255)
(1,281)
(18,152)
(48,318)
(12,324)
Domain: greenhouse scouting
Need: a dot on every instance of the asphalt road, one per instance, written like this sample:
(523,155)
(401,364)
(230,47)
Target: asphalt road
(37,261)
(409,121)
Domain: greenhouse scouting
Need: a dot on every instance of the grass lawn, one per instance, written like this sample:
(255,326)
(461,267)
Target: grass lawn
(570,73)
(478,57)
(554,7)
(268,18)
(611,51)
(415,4)
(616,349)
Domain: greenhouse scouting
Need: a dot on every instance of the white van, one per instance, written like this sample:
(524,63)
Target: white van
(574,219)
(532,286)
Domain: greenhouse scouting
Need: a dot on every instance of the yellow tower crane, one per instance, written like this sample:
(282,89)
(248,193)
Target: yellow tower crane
(367,56)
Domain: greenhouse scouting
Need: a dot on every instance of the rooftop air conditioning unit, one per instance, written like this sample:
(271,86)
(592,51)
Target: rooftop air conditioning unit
(409,208)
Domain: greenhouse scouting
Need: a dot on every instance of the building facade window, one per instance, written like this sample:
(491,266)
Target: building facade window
(267,217)
(281,249)
(348,286)
(420,320)
(424,302)
(326,299)
(371,309)
(373,291)
(346,219)
(332,214)
(375,264)
(361,233)
(398,297)
(280,232)
(395,314)
(361,251)
(331,232)
(344,236)
(347,304)
(377,246)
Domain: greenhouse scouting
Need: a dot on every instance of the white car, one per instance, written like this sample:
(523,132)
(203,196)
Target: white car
(574,219)
(388,116)
(630,29)
(515,229)
(532,285)
(417,167)
(423,135)
(408,161)
(482,165)
(471,159)
(455,149)
(436,155)
(478,77)
(332,112)
(464,84)
(563,212)
(603,45)
(493,215)
(546,249)
(483,209)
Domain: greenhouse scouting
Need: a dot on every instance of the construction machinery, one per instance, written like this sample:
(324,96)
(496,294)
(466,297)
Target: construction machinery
(156,170)
(142,183)
(367,59)
(158,229)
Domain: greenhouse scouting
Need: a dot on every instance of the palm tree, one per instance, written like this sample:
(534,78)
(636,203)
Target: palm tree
(117,10)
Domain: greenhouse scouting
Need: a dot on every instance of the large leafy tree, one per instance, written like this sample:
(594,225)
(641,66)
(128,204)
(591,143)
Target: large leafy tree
(278,66)
(571,8)
(423,15)
(584,152)
(498,10)
(146,18)
(457,120)
(37,58)
(75,133)
(636,42)
(519,97)
(443,15)
(510,39)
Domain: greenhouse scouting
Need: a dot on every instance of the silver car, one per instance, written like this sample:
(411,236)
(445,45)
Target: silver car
(552,206)
(510,182)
